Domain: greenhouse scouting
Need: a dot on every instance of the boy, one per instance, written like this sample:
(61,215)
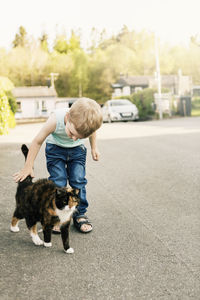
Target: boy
(65,151)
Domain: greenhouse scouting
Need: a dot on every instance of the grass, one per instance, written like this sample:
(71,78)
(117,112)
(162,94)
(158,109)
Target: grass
(195,112)
(195,107)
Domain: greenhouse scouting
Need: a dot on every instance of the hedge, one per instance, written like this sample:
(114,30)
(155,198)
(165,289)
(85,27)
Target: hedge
(5,114)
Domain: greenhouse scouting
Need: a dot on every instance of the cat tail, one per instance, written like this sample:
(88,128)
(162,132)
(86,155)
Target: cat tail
(24,149)
(28,179)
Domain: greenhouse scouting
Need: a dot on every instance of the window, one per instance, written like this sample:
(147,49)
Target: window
(44,108)
(19,108)
(120,102)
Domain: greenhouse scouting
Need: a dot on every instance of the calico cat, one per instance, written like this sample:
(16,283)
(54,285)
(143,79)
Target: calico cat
(42,201)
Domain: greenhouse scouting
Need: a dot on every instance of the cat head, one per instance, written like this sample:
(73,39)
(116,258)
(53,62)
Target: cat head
(67,196)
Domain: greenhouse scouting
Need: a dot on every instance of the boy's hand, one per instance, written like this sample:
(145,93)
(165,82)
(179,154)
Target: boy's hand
(95,154)
(22,174)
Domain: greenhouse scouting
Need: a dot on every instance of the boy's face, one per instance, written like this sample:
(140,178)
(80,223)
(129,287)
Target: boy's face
(71,131)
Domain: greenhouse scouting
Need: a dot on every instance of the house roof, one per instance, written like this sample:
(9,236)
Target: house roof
(169,79)
(144,80)
(134,80)
(34,91)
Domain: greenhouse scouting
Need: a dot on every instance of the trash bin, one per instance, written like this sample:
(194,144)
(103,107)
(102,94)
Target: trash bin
(184,106)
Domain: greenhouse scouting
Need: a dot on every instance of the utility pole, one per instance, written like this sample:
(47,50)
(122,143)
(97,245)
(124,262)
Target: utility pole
(158,78)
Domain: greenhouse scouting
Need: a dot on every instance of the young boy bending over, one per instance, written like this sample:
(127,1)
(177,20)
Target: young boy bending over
(64,132)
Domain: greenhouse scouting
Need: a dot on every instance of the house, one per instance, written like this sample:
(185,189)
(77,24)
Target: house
(34,101)
(196,91)
(63,102)
(176,84)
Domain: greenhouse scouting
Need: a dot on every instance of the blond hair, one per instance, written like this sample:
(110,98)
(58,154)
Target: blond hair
(86,116)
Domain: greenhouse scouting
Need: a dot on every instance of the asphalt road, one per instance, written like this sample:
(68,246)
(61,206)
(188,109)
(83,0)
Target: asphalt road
(144,200)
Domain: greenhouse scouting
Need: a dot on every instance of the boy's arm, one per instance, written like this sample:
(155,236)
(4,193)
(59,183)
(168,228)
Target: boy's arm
(93,145)
(36,144)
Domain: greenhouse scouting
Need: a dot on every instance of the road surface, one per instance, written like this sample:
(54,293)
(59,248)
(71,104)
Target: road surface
(144,197)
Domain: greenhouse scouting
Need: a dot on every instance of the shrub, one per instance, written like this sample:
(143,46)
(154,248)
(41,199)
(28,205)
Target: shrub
(4,113)
(12,102)
(11,120)
(144,101)
(8,105)
(196,106)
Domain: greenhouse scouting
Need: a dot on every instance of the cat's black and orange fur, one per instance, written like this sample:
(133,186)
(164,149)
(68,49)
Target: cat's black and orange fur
(42,201)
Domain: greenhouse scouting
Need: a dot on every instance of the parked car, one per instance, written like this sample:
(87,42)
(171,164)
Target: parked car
(119,110)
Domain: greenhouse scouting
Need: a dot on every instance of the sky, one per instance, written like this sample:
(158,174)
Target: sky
(174,21)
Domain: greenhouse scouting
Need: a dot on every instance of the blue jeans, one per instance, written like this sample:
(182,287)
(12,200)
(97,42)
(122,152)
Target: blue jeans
(68,165)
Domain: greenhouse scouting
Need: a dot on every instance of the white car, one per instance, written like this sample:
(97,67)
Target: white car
(119,110)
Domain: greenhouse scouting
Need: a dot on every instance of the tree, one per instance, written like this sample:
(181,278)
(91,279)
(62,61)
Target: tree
(124,31)
(94,39)
(62,64)
(6,84)
(74,41)
(100,76)
(44,42)
(20,38)
(79,74)
(61,44)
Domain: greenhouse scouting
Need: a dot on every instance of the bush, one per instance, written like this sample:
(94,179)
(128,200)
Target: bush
(8,105)
(4,113)
(11,120)
(196,106)
(12,102)
(144,101)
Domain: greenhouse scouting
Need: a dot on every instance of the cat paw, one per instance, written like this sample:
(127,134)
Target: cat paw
(37,241)
(69,251)
(47,244)
(14,228)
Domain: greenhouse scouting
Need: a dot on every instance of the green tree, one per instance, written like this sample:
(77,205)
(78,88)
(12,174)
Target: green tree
(62,64)
(123,32)
(74,41)
(6,84)
(44,42)
(94,39)
(79,75)
(100,76)
(61,44)
(20,38)
(92,72)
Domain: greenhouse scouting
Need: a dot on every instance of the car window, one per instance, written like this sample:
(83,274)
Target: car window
(120,102)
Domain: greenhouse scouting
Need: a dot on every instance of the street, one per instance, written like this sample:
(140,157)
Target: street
(144,197)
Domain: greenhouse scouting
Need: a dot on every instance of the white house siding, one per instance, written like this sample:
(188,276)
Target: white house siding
(126,90)
(34,101)
(61,103)
(117,92)
(50,105)
(184,85)
(27,108)
(34,108)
